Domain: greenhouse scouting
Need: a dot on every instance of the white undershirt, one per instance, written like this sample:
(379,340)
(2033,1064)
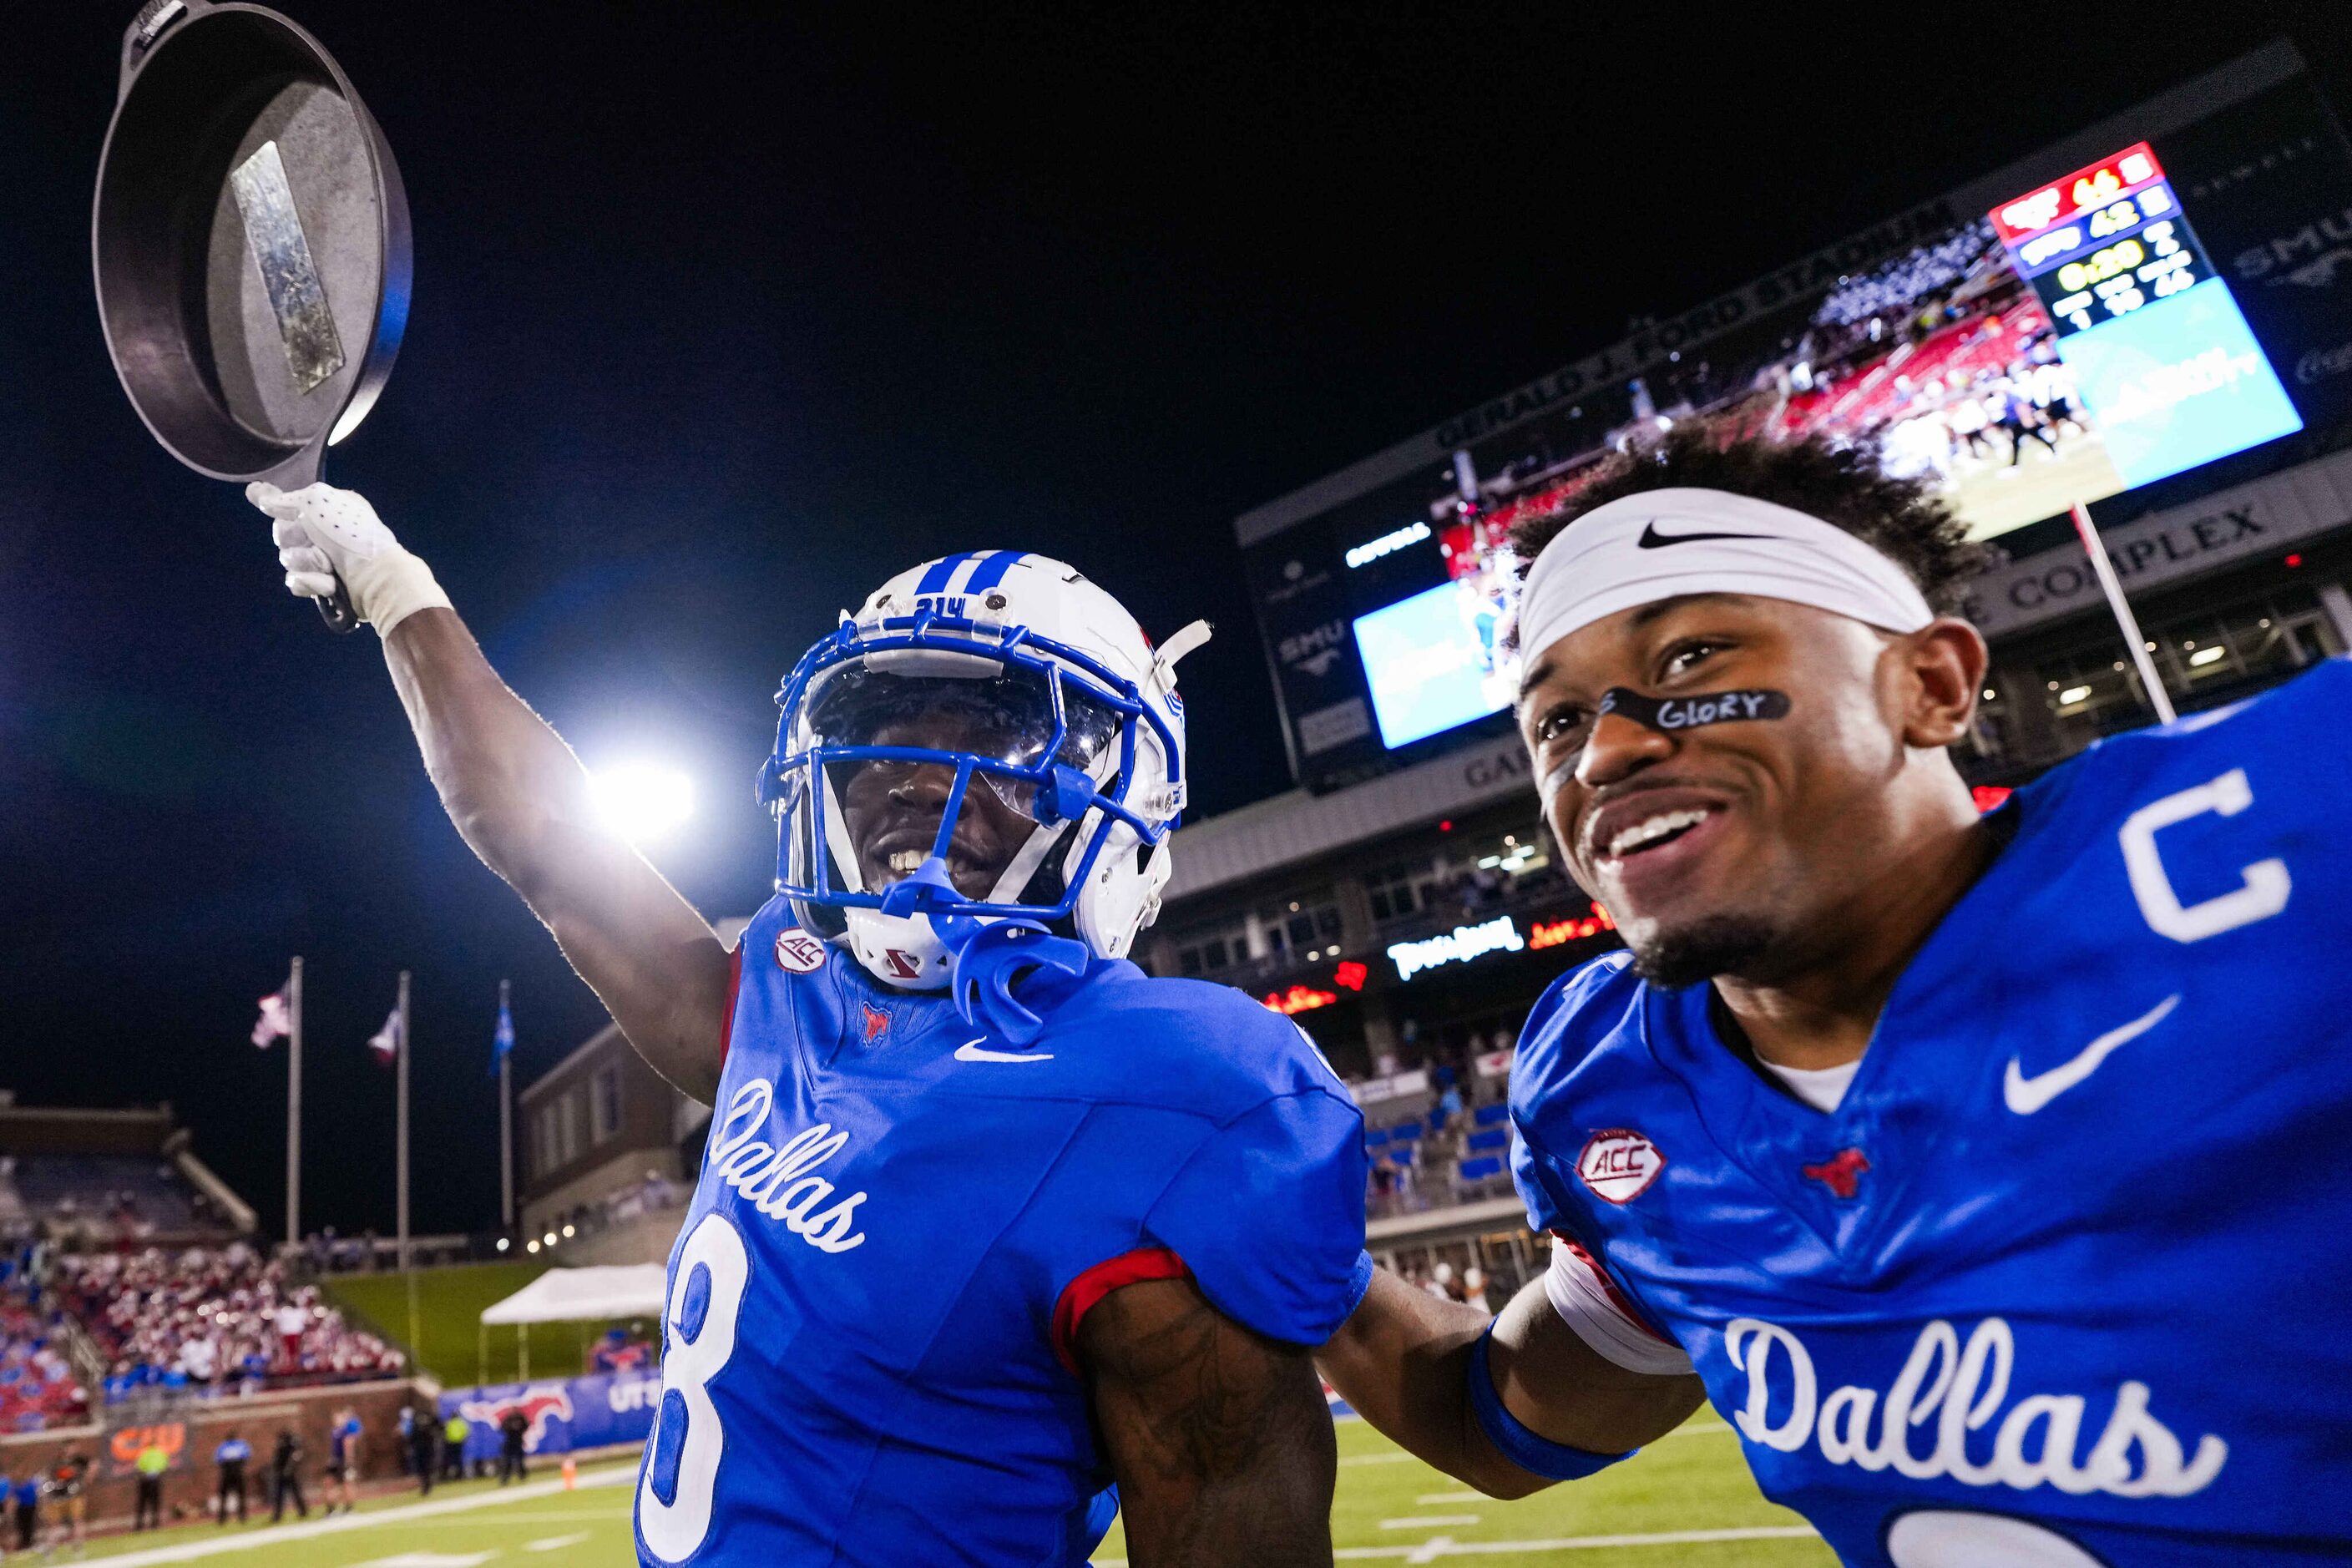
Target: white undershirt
(1587,1301)
(1820,1088)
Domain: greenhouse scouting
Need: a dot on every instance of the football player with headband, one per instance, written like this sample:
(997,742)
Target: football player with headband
(995,1235)
(1986,1173)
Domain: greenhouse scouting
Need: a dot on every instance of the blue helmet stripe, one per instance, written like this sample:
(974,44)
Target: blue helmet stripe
(935,580)
(991,571)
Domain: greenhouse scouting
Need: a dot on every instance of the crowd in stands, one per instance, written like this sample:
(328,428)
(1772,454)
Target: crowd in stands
(1928,272)
(210,1319)
(38,1390)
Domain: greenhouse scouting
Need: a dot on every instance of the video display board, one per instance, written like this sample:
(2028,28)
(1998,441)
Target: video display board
(2165,311)
(2155,351)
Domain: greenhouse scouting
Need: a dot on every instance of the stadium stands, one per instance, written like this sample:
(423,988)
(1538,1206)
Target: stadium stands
(1434,1137)
(37,1388)
(110,1196)
(212,1318)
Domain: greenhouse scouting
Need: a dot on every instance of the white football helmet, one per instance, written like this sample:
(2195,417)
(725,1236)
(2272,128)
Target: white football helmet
(994,669)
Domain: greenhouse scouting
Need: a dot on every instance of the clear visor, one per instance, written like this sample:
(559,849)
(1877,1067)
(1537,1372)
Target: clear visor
(1005,718)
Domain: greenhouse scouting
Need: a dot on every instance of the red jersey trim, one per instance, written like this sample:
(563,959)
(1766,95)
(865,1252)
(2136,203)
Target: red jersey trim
(734,987)
(1609,1285)
(1083,1294)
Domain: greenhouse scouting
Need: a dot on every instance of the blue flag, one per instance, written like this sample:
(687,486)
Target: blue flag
(502,1042)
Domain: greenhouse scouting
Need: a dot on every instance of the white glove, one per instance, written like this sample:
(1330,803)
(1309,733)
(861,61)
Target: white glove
(323,533)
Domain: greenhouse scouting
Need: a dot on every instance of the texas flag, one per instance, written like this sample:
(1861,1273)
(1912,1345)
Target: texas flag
(273,1024)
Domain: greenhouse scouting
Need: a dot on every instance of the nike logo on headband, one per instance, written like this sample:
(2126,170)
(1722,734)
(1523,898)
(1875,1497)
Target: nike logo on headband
(1653,540)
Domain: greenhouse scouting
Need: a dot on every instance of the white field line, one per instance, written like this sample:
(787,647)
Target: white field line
(556,1543)
(571,1516)
(1428,1498)
(1443,1546)
(343,1524)
(1428,1520)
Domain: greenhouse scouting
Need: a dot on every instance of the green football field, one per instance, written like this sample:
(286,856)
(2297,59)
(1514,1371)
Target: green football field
(1685,1503)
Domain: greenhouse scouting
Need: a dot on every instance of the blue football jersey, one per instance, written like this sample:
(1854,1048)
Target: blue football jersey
(2064,1279)
(901,1221)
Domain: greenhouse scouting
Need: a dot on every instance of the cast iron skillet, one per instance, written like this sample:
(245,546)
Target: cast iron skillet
(250,242)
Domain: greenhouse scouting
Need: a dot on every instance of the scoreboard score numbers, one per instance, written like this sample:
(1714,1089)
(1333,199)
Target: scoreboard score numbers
(2103,242)
(2161,355)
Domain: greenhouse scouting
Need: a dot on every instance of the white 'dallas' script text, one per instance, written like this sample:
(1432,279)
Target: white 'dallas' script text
(1960,1389)
(775,1178)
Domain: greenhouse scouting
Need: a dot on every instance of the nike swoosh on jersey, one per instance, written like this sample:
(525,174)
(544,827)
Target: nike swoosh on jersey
(970,1051)
(2027,1095)
(1653,540)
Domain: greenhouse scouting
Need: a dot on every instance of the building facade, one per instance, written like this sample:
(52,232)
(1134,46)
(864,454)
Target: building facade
(601,1139)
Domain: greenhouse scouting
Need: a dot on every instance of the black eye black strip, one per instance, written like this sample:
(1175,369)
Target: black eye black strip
(1670,713)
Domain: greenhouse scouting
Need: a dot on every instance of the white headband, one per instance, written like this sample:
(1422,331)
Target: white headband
(1663,543)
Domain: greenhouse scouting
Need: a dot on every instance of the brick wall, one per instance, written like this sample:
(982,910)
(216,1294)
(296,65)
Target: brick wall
(204,1424)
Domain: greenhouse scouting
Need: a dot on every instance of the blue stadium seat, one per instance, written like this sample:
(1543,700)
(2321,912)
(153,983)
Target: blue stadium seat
(1408,1133)
(1375,1137)
(1479,1170)
(1402,1153)
(1491,1115)
(1493,1138)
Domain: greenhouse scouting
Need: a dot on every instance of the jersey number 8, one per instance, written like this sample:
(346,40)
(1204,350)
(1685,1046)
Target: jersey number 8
(682,1459)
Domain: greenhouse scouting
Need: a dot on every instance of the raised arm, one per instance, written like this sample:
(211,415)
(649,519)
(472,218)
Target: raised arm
(1219,1437)
(1403,1362)
(516,794)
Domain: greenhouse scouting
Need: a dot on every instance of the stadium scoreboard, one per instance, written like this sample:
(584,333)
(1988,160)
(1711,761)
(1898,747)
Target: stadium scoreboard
(2161,355)
(2165,319)
(2102,242)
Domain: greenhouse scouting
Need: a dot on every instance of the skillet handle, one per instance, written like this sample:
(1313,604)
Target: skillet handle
(336,610)
(297,471)
(156,18)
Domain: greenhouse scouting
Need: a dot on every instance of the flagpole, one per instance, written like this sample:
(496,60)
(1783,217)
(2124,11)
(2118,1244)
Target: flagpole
(400,1164)
(506,1126)
(2105,569)
(294,1106)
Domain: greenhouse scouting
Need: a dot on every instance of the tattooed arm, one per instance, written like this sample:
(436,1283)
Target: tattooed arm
(1218,1437)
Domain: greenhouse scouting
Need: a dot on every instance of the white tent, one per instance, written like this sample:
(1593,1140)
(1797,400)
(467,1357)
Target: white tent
(575,1295)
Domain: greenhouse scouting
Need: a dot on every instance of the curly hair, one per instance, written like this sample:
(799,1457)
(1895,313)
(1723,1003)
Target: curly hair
(1840,482)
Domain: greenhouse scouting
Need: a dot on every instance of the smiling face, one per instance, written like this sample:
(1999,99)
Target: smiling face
(893,810)
(1743,847)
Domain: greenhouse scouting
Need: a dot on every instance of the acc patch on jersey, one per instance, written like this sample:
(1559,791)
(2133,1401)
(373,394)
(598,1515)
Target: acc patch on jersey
(798,952)
(1619,1164)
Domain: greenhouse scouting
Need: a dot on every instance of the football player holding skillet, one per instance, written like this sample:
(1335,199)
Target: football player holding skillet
(995,1236)
(1915,1140)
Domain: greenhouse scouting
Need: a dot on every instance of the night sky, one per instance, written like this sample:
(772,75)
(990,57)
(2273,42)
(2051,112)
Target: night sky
(720,316)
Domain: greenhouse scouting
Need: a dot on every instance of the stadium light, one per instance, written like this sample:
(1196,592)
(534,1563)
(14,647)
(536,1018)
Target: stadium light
(641,801)
(568,1233)
(502,1244)
(532,1247)
(549,1238)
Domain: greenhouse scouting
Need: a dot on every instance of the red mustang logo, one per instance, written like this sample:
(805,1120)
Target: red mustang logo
(537,1404)
(1842,1174)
